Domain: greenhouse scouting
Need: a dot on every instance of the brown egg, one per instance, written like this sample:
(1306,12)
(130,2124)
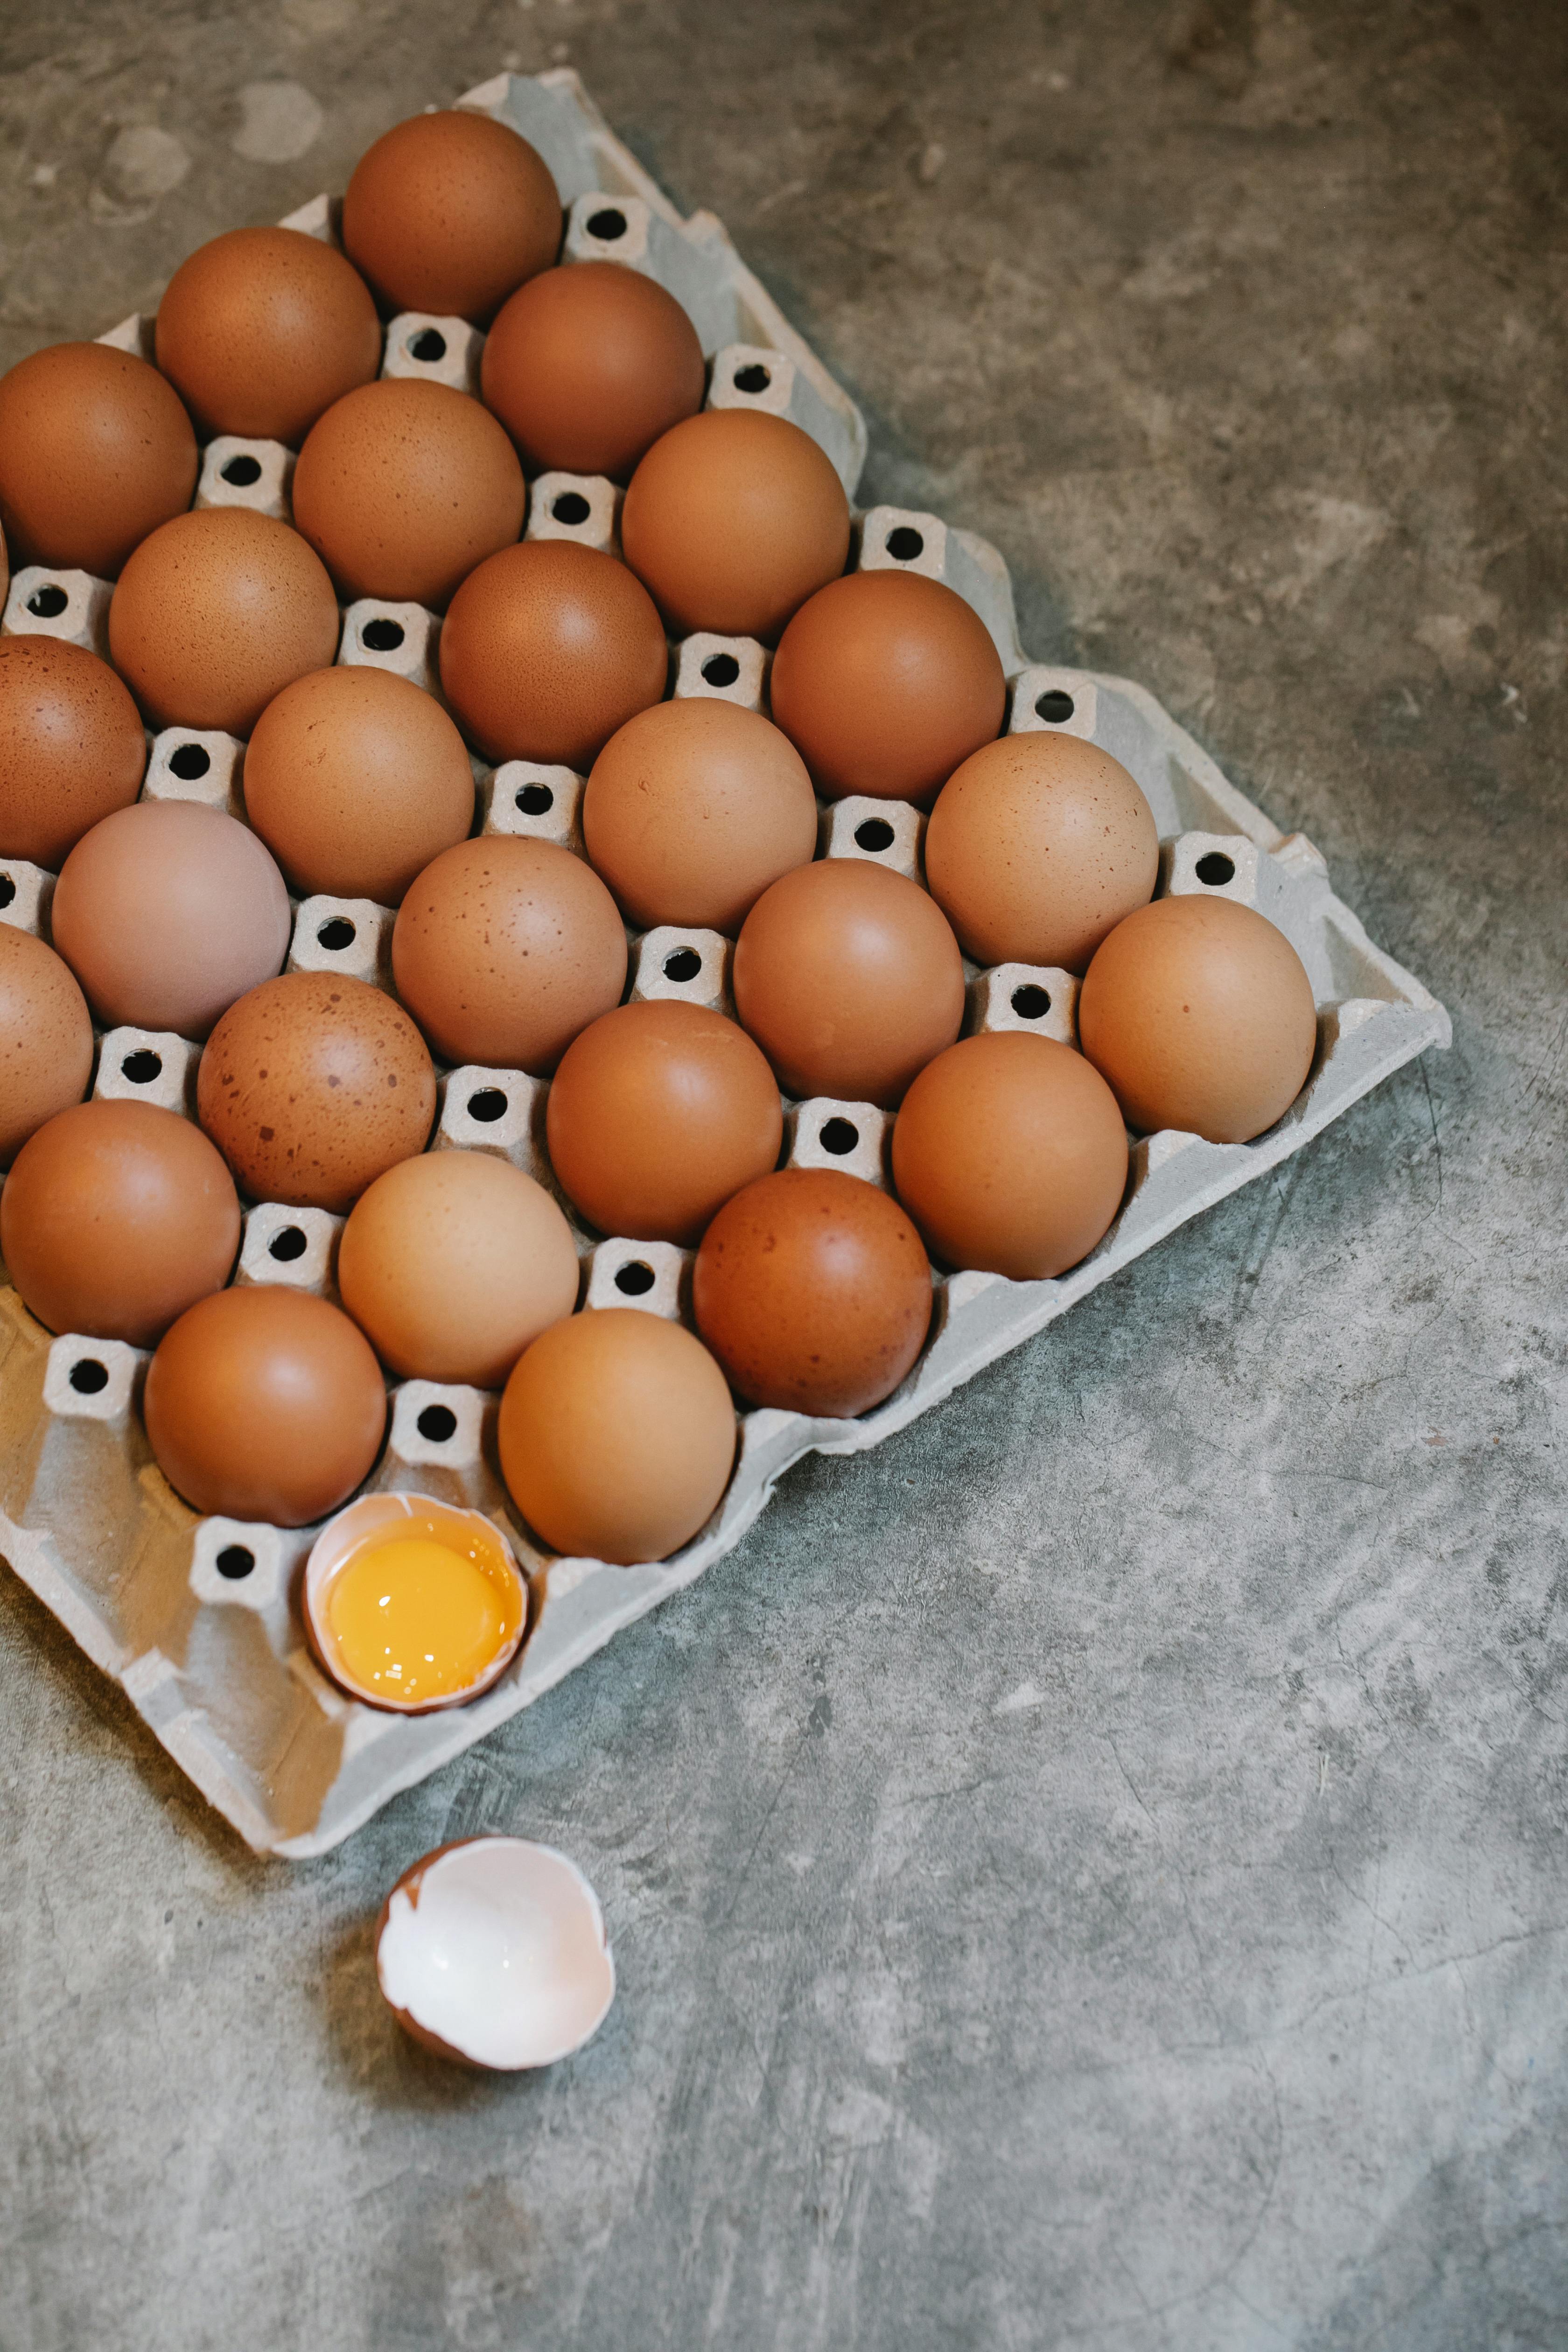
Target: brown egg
(355,780)
(265,1405)
(617,1436)
(448,212)
(547,649)
(215,613)
(46,1038)
(166,912)
(849,978)
(452,1263)
(1036,848)
(402,487)
(116,1217)
(95,452)
(1200,1015)
(1010,1155)
(72,747)
(504,949)
(692,809)
(814,1292)
(734,519)
(658,1113)
(587,366)
(262,328)
(312,1087)
(884,682)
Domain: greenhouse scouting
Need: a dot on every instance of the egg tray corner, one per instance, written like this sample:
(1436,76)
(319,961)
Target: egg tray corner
(197,1619)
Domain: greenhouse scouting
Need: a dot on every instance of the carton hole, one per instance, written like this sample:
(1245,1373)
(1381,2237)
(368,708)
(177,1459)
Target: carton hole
(839,1136)
(438,1422)
(570,507)
(607,224)
(875,833)
(336,932)
(8,889)
(683,964)
(47,603)
(488,1106)
(381,636)
(235,1561)
(635,1280)
(89,1376)
(1031,1002)
(287,1244)
(720,669)
(1216,868)
(1053,706)
(427,344)
(904,544)
(141,1066)
(535,800)
(242,472)
(189,761)
(753,378)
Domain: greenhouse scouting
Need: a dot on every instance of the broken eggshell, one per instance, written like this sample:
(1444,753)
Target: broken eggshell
(491,1951)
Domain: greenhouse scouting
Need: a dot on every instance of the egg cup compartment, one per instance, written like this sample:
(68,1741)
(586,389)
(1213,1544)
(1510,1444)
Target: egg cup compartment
(884,833)
(352,937)
(673,964)
(441,1442)
(655,1276)
(400,638)
(150,1065)
(1036,999)
(1046,700)
(259,475)
(24,894)
(192,763)
(725,669)
(855,1138)
(246,1564)
(540,802)
(427,349)
(72,605)
(297,1247)
(583,508)
(497,1111)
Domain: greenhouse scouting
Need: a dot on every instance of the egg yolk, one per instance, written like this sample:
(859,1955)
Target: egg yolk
(415,1619)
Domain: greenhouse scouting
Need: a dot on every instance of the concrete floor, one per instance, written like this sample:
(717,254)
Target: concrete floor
(1091,1873)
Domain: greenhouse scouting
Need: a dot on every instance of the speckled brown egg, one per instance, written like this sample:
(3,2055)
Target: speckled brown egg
(402,487)
(46,1038)
(814,1292)
(1010,1155)
(504,949)
(116,1217)
(548,648)
(448,212)
(166,912)
(265,1403)
(355,780)
(312,1085)
(96,451)
(1036,847)
(658,1113)
(1199,1012)
(884,681)
(848,977)
(732,519)
(693,808)
(262,328)
(586,367)
(215,613)
(72,747)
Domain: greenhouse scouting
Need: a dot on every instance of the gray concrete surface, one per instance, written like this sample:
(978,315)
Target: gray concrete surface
(1091,1873)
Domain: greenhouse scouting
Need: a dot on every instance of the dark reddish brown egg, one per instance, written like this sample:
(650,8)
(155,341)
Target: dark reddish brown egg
(587,366)
(262,328)
(658,1113)
(884,682)
(448,212)
(265,1403)
(312,1085)
(504,949)
(814,1292)
(116,1217)
(46,1038)
(732,519)
(547,649)
(72,747)
(96,451)
(848,977)
(215,613)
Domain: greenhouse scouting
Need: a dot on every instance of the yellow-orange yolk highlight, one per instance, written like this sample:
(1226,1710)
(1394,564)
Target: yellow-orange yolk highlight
(415,1619)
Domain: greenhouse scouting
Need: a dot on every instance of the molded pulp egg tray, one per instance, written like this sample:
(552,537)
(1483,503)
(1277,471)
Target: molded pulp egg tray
(197,1618)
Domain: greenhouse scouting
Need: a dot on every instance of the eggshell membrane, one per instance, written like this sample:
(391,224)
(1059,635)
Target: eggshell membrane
(504,949)
(116,1217)
(1036,848)
(692,809)
(451,1262)
(549,647)
(46,1038)
(617,1436)
(216,613)
(355,780)
(1010,1155)
(262,328)
(657,1114)
(312,1085)
(448,211)
(814,1292)
(1199,1013)
(402,487)
(95,450)
(265,1403)
(734,519)
(72,749)
(848,977)
(586,366)
(884,681)
(166,912)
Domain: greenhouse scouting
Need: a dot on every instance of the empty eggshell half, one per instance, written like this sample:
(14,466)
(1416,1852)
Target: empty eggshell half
(492,1952)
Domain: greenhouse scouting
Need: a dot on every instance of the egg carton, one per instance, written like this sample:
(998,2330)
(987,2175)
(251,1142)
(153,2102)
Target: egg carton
(197,1618)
